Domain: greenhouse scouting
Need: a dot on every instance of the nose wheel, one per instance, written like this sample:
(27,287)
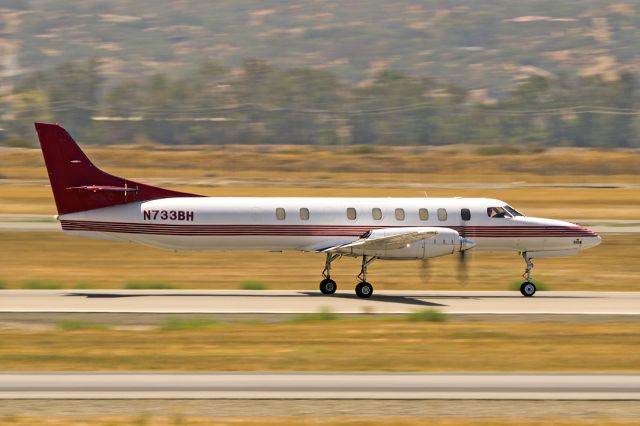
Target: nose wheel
(527,288)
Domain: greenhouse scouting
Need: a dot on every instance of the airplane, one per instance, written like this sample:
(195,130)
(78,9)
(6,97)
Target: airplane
(95,204)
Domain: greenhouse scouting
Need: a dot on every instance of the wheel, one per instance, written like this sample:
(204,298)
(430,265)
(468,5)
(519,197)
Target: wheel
(528,289)
(328,286)
(364,290)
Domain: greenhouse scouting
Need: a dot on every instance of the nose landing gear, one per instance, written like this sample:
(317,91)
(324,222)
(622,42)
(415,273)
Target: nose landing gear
(527,288)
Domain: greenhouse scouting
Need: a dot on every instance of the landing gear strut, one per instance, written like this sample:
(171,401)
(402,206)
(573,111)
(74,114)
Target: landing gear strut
(364,289)
(327,285)
(527,288)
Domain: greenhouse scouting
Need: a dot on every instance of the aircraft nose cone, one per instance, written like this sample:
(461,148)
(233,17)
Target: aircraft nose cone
(591,239)
(466,244)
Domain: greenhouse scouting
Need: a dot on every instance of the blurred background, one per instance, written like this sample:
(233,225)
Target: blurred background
(534,102)
(401,72)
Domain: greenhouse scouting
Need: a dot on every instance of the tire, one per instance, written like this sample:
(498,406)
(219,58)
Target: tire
(328,286)
(528,289)
(364,290)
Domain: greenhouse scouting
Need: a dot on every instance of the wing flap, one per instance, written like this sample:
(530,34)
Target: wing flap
(386,242)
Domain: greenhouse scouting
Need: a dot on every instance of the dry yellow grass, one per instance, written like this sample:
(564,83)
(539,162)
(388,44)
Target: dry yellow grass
(80,262)
(347,172)
(178,420)
(556,203)
(380,345)
(386,164)
(352,172)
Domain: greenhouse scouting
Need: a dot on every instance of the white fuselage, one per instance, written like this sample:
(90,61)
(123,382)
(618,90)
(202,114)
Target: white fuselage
(315,224)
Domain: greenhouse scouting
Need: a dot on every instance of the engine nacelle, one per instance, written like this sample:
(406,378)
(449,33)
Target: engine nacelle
(446,241)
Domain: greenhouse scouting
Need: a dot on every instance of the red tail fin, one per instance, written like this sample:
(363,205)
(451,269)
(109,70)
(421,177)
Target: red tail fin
(78,185)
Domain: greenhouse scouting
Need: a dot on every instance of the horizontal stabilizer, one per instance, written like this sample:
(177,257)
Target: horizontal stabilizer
(96,188)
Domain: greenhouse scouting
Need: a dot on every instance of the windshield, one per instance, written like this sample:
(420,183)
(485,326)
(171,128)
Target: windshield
(497,212)
(513,211)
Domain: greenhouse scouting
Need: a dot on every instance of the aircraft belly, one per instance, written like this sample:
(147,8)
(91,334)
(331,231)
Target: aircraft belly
(561,243)
(495,244)
(523,243)
(277,243)
(222,243)
(109,236)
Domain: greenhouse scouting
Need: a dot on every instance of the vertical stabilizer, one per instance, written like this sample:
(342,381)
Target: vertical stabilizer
(78,185)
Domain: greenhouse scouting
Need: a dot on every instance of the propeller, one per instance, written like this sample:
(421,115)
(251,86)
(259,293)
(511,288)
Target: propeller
(463,273)
(425,271)
(465,244)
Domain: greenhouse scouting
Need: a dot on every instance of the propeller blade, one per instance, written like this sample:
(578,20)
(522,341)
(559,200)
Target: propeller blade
(425,271)
(463,273)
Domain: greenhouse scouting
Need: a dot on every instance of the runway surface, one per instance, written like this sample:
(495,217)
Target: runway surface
(318,386)
(343,302)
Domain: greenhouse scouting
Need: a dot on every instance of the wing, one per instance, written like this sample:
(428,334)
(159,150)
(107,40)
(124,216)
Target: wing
(377,240)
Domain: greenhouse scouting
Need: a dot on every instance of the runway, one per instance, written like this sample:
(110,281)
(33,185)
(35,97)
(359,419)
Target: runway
(318,386)
(294,302)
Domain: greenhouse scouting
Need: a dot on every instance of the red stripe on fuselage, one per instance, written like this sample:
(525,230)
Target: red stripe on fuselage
(314,230)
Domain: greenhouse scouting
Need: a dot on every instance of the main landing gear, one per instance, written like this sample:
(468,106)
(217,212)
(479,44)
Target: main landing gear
(527,288)
(363,289)
(327,285)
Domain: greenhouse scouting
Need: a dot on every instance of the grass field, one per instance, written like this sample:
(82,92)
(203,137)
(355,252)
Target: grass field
(378,164)
(178,420)
(54,260)
(380,345)
(558,183)
(566,184)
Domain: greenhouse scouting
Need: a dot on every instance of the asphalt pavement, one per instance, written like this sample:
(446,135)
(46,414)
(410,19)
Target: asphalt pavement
(548,386)
(342,302)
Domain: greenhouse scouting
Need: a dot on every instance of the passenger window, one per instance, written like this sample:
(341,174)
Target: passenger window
(399,214)
(304,213)
(351,213)
(280,213)
(466,214)
(424,214)
(376,213)
(442,214)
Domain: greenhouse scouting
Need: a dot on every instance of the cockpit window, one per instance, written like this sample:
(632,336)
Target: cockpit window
(497,212)
(513,211)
